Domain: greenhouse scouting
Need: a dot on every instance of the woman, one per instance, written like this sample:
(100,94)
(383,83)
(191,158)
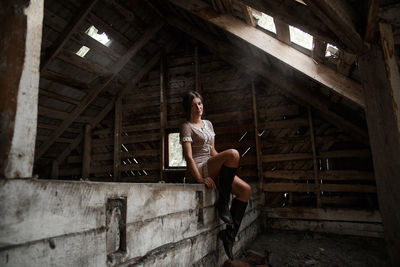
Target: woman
(215,170)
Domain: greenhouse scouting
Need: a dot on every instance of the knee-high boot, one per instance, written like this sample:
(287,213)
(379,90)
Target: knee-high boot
(228,235)
(225,187)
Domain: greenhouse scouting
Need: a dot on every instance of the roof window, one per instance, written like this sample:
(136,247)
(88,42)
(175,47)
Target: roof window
(102,38)
(300,38)
(331,51)
(264,21)
(83,51)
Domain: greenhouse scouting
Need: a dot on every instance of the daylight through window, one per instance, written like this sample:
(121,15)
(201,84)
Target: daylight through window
(175,153)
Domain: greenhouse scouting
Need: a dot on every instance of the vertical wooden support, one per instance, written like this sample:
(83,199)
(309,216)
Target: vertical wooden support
(117,137)
(87,151)
(282,31)
(196,69)
(163,112)
(318,51)
(54,169)
(380,79)
(258,141)
(317,186)
(21,37)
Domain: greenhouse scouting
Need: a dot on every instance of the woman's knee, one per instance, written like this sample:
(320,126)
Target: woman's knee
(246,190)
(234,155)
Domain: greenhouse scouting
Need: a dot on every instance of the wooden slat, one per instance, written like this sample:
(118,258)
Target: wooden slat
(163,113)
(363,153)
(314,156)
(61,79)
(303,187)
(286,157)
(337,175)
(68,31)
(345,62)
(117,138)
(92,94)
(282,31)
(372,216)
(273,47)
(318,51)
(82,63)
(256,136)
(87,152)
(248,14)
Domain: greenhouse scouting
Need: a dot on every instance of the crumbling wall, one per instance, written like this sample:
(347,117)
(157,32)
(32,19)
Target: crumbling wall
(68,223)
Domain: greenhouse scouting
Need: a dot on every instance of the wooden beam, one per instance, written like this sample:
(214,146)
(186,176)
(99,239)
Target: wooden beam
(61,79)
(380,77)
(318,51)
(345,62)
(256,136)
(196,68)
(371,20)
(87,151)
(67,33)
(272,76)
(163,113)
(282,31)
(277,49)
(117,138)
(298,15)
(303,187)
(93,93)
(340,18)
(54,170)
(315,164)
(248,14)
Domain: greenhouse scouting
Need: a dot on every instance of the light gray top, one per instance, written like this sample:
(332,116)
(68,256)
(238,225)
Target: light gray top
(201,139)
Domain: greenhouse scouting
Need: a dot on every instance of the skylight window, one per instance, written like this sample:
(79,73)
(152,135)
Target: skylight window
(83,51)
(301,38)
(264,21)
(331,51)
(102,38)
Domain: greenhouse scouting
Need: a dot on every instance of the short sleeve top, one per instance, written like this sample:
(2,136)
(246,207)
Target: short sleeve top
(201,139)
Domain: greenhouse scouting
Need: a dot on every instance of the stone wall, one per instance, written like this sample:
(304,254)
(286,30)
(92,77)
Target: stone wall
(65,223)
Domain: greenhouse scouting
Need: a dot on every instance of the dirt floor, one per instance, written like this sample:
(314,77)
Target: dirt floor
(293,248)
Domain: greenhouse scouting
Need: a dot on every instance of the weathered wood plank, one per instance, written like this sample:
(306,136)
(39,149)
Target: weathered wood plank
(314,156)
(286,157)
(117,138)
(303,187)
(282,31)
(87,152)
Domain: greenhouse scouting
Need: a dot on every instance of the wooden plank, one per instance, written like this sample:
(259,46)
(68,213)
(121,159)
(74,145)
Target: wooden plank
(68,31)
(196,69)
(362,153)
(336,175)
(314,154)
(303,187)
(117,138)
(256,136)
(340,228)
(54,170)
(286,157)
(61,79)
(297,15)
(58,97)
(163,113)
(341,19)
(93,93)
(318,51)
(350,215)
(345,62)
(248,14)
(371,19)
(282,31)
(273,47)
(82,63)
(87,152)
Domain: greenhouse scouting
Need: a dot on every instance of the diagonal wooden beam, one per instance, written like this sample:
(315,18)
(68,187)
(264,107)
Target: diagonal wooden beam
(143,71)
(333,80)
(295,14)
(93,92)
(340,17)
(236,57)
(67,33)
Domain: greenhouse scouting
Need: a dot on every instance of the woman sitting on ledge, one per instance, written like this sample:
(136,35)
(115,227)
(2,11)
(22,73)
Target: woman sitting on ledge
(215,170)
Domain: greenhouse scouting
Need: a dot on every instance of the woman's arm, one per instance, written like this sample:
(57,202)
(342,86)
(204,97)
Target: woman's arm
(213,152)
(187,152)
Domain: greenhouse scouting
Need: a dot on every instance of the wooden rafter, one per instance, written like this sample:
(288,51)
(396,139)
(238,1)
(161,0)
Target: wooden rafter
(273,76)
(279,50)
(93,93)
(67,33)
(247,14)
(282,31)
(339,17)
(295,14)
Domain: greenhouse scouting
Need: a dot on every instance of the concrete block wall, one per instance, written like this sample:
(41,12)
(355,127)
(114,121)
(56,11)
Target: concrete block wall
(66,223)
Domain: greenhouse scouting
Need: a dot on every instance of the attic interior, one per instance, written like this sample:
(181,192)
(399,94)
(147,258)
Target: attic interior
(306,91)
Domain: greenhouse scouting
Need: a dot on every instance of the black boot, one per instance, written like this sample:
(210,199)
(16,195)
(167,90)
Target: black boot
(228,235)
(225,187)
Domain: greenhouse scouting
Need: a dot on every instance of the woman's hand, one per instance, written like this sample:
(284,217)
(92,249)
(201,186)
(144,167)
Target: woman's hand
(209,182)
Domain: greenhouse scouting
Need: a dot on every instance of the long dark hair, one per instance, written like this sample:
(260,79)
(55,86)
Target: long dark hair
(187,102)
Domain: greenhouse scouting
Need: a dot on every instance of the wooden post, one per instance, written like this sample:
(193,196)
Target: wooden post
(87,151)
(380,77)
(196,68)
(117,138)
(21,36)
(257,137)
(163,112)
(317,187)
(54,169)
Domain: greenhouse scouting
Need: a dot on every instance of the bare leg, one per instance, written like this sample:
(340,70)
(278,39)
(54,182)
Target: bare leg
(229,158)
(241,189)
